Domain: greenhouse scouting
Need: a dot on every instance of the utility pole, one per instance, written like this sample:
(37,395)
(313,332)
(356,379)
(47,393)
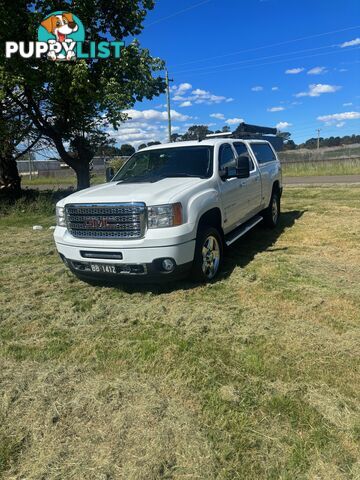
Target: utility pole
(318,138)
(168,102)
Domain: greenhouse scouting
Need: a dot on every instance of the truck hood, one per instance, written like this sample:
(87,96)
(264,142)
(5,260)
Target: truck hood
(156,193)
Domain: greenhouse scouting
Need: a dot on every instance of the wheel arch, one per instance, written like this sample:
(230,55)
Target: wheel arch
(211,218)
(276,187)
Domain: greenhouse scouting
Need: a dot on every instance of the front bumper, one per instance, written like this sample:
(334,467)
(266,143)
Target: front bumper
(143,264)
(144,273)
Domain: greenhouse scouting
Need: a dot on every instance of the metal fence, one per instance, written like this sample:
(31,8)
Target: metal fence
(55,168)
(335,154)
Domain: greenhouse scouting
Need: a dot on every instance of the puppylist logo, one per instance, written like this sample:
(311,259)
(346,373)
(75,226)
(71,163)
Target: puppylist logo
(61,36)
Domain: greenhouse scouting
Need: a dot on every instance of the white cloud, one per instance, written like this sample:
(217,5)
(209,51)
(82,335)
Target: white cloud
(257,88)
(178,98)
(350,43)
(275,109)
(187,103)
(283,125)
(234,121)
(155,115)
(198,96)
(219,116)
(294,71)
(339,116)
(182,88)
(202,96)
(348,104)
(315,90)
(340,124)
(198,91)
(145,126)
(274,89)
(316,71)
(138,136)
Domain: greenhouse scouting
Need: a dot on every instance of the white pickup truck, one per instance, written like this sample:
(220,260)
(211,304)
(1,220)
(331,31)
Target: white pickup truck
(170,211)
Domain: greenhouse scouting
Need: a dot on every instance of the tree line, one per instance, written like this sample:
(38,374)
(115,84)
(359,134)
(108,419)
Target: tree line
(200,131)
(312,143)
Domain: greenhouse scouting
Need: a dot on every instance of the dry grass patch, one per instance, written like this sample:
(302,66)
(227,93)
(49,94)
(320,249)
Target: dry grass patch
(70,422)
(252,377)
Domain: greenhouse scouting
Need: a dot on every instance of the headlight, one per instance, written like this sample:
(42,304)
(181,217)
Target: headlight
(160,216)
(60,217)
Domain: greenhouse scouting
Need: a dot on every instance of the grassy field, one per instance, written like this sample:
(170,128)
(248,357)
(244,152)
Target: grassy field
(64,181)
(253,377)
(331,167)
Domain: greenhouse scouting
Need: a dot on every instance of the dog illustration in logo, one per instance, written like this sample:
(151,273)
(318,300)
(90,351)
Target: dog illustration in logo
(60,25)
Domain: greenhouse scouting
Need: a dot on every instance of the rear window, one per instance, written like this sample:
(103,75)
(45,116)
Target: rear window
(263,152)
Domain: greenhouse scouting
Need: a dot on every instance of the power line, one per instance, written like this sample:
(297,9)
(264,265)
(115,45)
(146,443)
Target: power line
(179,12)
(278,61)
(258,58)
(269,46)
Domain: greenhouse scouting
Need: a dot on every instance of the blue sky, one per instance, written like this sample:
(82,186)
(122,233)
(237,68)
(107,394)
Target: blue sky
(294,64)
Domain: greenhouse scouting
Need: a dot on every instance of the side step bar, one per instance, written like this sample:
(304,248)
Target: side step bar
(242,229)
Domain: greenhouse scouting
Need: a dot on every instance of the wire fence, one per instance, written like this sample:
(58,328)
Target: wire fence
(306,158)
(56,168)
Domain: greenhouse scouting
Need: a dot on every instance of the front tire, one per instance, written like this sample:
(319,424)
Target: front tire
(208,257)
(272,213)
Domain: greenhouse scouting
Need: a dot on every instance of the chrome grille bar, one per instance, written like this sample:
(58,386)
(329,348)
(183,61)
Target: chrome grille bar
(106,220)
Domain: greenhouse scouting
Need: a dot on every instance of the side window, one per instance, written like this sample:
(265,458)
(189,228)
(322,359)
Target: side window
(226,158)
(242,151)
(263,152)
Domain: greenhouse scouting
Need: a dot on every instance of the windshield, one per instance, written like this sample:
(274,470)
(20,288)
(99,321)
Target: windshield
(153,165)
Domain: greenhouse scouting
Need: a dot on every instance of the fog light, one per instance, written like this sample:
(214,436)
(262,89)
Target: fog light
(168,264)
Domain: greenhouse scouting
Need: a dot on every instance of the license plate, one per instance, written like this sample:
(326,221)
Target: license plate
(103,268)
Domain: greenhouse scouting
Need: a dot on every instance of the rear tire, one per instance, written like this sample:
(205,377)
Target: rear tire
(208,257)
(272,212)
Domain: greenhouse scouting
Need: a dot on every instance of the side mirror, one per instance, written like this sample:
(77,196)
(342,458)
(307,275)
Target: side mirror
(109,173)
(243,167)
(224,173)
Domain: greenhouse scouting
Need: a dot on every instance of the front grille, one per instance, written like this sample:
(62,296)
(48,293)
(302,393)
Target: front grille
(106,220)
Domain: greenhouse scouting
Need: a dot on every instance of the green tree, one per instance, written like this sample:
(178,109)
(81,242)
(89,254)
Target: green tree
(289,145)
(196,132)
(141,146)
(127,150)
(74,104)
(311,143)
(107,149)
(175,137)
